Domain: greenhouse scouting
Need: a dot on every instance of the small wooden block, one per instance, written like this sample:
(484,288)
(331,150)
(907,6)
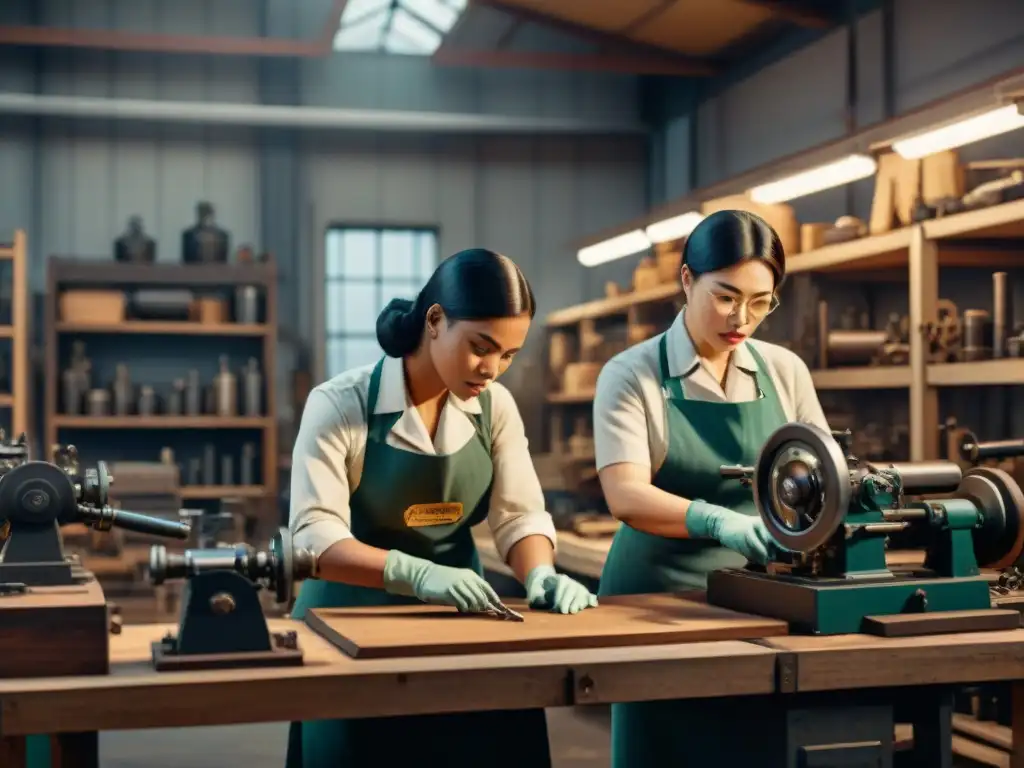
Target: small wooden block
(941,622)
(55,631)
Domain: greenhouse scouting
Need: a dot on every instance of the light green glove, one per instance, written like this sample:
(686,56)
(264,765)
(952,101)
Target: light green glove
(438,584)
(557,592)
(741,533)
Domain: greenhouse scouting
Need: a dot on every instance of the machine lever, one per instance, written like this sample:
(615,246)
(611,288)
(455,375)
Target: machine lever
(104,518)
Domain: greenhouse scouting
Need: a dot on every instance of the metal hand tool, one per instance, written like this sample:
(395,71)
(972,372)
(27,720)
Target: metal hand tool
(502,611)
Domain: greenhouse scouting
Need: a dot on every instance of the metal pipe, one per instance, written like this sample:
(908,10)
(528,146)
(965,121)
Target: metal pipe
(123,40)
(313,118)
(892,515)
(928,476)
(878,528)
(993,449)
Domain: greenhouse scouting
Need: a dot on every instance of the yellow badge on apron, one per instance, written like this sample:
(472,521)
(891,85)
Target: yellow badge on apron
(444,513)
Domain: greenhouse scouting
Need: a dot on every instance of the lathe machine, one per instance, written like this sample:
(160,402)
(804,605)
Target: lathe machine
(831,515)
(53,613)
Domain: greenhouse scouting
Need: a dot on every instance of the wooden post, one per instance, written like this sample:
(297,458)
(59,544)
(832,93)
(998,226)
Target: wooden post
(20,313)
(924,295)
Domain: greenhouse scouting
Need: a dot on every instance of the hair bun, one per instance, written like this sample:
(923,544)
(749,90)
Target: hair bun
(399,328)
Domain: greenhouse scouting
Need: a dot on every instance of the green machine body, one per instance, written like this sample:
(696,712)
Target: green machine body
(832,516)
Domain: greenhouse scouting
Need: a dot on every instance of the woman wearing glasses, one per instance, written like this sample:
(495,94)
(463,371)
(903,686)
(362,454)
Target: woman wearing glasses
(668,413)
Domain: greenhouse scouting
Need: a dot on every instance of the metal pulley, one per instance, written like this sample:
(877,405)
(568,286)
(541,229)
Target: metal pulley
(802,486)
(999,534)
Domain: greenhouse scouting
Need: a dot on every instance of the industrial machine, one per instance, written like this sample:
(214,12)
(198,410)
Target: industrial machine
(43,588)
(37,497)
(222,623)
(831,515)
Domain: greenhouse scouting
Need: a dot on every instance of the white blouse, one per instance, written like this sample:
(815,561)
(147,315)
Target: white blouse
(327,461)
(630,419)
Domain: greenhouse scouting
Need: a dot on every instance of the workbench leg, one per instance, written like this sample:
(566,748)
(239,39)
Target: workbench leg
(75,750)
(931,714)
(820,733)
(13,752)
(1017,718)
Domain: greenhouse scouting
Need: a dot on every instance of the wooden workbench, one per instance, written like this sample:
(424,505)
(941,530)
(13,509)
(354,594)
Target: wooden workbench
(331,685)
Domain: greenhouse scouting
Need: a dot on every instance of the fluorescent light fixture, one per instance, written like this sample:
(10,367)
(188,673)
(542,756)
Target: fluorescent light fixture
(983,126)
(616,248)
(835,174)
(674,228)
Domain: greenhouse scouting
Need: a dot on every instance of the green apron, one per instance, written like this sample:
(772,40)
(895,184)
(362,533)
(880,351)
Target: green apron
(702,436)
(393,480)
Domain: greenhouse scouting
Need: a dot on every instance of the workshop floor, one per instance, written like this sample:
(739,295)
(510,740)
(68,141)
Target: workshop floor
(579,739)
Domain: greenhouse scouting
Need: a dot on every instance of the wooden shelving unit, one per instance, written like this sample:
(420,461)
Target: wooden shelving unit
(19,399)
(971,239)
(64,274)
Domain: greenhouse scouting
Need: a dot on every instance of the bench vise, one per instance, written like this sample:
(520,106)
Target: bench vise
(221,623)
(831,515)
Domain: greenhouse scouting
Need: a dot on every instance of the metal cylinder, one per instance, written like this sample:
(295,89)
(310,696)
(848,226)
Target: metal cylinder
(164,565)
(227,470)
(977,335)
(854,347)
(998,314)
(225,390)
(248,469)
(73,392)
(252,389)
(98,402)
(996,449)
(193,394)
(247,304)
(147,401)
(928,476)
(195,471)
(123,391)
(209,465)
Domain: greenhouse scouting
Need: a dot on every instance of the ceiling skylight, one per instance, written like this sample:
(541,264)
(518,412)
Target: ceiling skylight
(410,27)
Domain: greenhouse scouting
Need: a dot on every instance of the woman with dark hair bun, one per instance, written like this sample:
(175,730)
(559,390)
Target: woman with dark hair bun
(668,413)
(393,465)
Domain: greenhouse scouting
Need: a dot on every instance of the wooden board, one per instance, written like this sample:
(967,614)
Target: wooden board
(52,631)
(941,622)
(426,630)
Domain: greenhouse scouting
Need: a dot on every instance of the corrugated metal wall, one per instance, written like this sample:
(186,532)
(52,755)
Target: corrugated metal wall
(73,184)
(800,101)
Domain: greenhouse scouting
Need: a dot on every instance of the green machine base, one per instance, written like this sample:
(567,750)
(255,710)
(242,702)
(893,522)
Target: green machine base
(830,516)
(825,606)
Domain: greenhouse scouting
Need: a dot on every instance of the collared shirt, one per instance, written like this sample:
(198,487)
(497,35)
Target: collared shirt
(630,419)
(327,461)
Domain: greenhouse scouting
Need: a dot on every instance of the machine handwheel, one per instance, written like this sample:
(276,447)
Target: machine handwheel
(802,486)
(999,540)
(281,546)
